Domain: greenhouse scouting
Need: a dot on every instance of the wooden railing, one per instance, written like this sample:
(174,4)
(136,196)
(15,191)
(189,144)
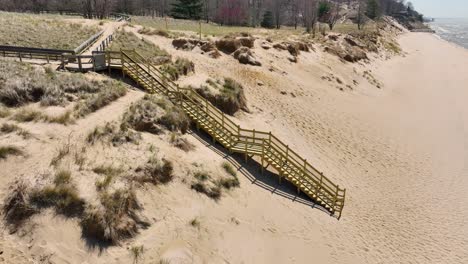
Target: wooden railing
(87,43)
(271,150)
(34,53)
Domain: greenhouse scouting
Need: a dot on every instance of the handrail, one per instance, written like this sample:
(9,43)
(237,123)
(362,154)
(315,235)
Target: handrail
(231,134)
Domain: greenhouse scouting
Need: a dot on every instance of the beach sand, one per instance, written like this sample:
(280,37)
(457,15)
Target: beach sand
(400,151)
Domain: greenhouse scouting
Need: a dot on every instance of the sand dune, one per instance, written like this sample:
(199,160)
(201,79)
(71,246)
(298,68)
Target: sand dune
(400,151)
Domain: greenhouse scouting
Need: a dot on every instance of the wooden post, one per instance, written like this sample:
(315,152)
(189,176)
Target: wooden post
(200,28)
(21,59)
(47,56)
(79,64)
(246,151)
(263,153)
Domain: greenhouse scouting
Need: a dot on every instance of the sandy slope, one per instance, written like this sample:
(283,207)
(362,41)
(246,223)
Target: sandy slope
(400,151)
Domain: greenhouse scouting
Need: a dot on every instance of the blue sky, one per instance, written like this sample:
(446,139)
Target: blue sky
(442,8)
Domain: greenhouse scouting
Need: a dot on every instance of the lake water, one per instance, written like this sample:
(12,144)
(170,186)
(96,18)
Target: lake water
(452,29)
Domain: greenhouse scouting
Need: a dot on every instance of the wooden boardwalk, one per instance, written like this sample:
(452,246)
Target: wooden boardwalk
(270,150)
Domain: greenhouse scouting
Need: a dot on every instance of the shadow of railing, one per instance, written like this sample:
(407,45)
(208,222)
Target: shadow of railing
(251,169)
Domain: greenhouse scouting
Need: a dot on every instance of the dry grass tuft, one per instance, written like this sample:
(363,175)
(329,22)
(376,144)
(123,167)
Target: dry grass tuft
(41,31)
(115,219)
(137,253)
(158,32)
(156,171)
(6,151)
(9,128)
(4,112)
(109,173)
(28,115)
(116,136)
(206,185)
(100,100)
(62,196)
(180,67)
(129,41)
(229,168)
(228,96)
(182,143)
(152,114)
(16,207)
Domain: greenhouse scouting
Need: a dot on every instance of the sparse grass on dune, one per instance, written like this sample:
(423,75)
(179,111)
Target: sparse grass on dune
(113,134)
(62,195)
(16,207)
(21,84)
(228,95)
(129,41)
(6,151)
(116,217)
(153,114)
(36,31)
(156,171)
(97,101)
(4,112)
(8,128)
(158,23)
(178,68)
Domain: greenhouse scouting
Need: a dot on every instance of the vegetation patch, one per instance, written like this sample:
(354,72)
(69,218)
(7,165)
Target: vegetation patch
(178,68)
(4,112)
(16,207)
(36,31)
(62,195)
(115,218)
(129,41)
(228,96)
(37,84)
(182,143)
(151,32)
(100,99)
(156,171)
(6,151)
(153,114)
(113,134)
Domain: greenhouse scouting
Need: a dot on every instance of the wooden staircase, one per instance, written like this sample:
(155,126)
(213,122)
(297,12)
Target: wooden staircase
(266,146)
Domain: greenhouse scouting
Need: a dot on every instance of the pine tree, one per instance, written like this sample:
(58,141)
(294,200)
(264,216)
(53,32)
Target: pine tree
(187,9)
(373,9)
(267,21)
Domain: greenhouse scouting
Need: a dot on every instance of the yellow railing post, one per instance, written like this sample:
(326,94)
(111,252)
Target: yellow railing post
(263,153)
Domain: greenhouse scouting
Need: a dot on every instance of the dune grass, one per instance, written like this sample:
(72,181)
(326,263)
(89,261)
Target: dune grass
(187,25)
(129,41)
(39,31)
(6,151)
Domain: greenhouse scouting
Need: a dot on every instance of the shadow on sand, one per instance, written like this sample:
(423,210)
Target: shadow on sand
(269,181)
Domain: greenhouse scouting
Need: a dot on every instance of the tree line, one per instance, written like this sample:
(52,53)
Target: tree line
(266,13)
